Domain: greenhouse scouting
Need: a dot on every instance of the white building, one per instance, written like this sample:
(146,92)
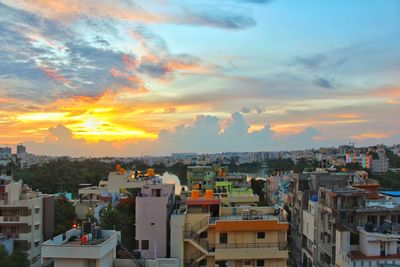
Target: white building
(73,249)
(373,249)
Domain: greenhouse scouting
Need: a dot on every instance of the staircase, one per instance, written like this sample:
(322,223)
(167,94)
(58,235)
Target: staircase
(135,255)
(193,236)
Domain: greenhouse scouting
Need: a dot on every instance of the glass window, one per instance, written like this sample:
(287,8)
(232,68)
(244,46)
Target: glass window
(260,263)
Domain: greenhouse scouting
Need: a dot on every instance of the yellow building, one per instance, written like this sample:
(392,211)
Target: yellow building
(207,234)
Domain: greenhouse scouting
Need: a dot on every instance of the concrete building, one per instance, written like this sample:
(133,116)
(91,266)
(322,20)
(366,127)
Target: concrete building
(154,206)
(309,248)
(381,163)
(200,177)
(207,234)
(74,248)
(26,216)
(21,149)
(372,248)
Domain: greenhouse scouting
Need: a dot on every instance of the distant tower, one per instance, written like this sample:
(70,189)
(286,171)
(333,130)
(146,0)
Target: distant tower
(21,149)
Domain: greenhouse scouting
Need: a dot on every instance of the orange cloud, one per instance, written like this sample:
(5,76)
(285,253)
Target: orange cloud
(370,135)
(53,74)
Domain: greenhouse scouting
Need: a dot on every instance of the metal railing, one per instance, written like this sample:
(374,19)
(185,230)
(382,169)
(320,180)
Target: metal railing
(201,224)
(200,241)
(279,245)
(135,255)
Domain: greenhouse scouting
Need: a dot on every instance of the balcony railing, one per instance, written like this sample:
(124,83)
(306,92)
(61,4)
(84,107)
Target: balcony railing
(279,245)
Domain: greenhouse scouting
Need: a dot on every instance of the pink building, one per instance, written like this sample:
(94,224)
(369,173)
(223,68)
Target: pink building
(153,209)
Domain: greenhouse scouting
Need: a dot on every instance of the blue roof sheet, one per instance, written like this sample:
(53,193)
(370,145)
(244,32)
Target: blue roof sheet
(391,193)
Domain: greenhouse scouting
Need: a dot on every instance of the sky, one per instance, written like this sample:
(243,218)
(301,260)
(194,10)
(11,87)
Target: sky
(131,78)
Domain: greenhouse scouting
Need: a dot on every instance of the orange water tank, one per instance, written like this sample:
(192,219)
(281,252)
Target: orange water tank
(195,194)
(151,172)
(209,193)
(344,170)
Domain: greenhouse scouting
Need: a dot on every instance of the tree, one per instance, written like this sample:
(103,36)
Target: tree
(64,215)
(4,258)
(121,218)
(16,259)
(19,259)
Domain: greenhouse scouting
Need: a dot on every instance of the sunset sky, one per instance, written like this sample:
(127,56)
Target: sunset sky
(125,78)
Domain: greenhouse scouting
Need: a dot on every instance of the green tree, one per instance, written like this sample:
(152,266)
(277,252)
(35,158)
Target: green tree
(16,259)
(64,215)
(121,218)
(19,259)
(4,258)
(64,175)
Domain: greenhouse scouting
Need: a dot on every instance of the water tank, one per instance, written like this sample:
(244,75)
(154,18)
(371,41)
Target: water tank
(314,198)
(151,172)
(209,193)
(195,194)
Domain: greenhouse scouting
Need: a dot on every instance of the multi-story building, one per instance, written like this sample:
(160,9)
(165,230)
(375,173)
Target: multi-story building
(154,206)
(309,226)
(80,249)
(200,177)
(5,152)
(380,164)
(372,247)
(208,234)
(25,215)
(21,149)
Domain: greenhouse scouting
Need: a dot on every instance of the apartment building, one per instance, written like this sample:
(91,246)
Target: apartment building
(380,164)
(25,215)
(208,234)
(154,206)
(374,247)
(200,177)
(94,248)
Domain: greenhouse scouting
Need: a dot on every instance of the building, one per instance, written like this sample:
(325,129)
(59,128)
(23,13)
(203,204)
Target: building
(208,234)
(373,248)
(79,248)
(21,149)
(154,206)
(25,215)
(5,152)
(309,226)
(380,164)
(200,177)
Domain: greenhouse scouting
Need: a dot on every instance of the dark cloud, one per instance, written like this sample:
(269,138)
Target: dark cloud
(216,17)
(311,62)
(325,83)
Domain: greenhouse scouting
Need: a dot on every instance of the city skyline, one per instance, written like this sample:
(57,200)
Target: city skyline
(90,78)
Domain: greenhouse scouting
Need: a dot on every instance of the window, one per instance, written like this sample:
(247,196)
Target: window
(260,235)
(37,226)
(260,263)
(145,244)
(37,210)
(223,238)
(156,192)
(37,244)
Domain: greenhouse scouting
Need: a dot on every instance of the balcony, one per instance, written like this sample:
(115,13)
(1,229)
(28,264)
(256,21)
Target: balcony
(243,251)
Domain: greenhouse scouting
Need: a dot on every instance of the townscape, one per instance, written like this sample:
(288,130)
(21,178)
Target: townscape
(330,213)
